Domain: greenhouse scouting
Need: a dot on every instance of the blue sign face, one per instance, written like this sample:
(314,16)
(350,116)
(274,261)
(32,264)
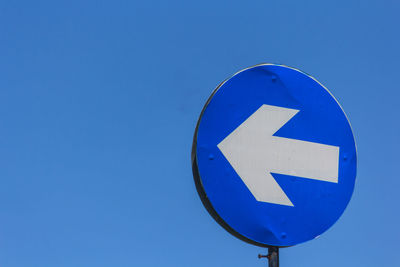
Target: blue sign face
(274,157)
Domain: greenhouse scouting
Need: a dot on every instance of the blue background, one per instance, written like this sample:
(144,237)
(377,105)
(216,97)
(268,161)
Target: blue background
(317,204)
(98,105)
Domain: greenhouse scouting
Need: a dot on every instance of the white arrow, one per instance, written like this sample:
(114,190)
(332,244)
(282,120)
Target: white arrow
(255,153)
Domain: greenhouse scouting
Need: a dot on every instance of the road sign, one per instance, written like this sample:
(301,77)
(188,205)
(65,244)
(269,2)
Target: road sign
(274,157)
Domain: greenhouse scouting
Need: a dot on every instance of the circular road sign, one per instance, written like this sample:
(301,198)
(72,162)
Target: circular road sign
(274,157)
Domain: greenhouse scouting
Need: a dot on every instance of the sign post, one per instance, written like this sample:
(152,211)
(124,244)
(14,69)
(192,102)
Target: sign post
(274,157)
(273,260)
(273,256)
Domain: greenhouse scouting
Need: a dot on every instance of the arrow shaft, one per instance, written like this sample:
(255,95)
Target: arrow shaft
(298,158)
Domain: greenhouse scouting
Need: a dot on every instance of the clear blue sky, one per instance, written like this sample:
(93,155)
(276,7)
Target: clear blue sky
(98,104)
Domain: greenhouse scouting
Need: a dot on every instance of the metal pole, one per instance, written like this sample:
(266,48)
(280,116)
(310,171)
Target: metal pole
(273,257)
